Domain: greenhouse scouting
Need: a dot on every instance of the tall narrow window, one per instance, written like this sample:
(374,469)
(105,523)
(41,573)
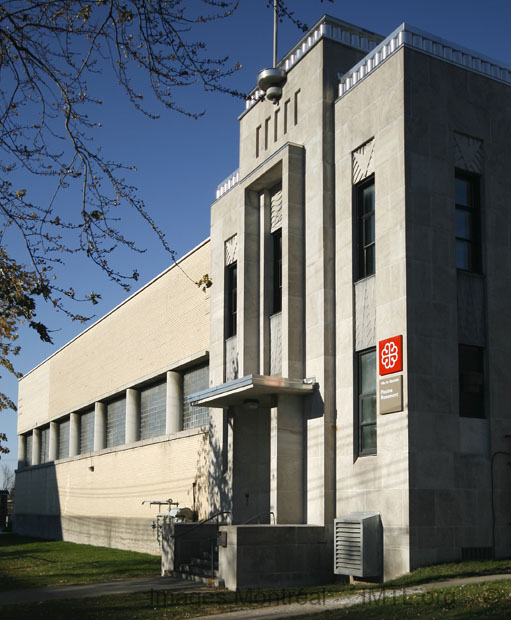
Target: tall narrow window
(468,226)
(276,126)
(471,377)
(367,402)
(286,114)
(267,132)
(258,140)
(231,298)
(277,271)
(364,199)
(296,106)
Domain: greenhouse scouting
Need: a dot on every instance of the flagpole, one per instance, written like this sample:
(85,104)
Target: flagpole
(275,26)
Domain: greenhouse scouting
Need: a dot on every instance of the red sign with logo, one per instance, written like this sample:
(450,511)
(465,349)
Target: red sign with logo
(390,355)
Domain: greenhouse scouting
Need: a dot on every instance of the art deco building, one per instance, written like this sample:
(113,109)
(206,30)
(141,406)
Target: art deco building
(344,383)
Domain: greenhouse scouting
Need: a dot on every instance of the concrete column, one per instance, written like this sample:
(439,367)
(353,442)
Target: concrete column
(99,426)
(36,446)
(54,441)
(287,475)
(74,434)
(132,415)
(22,451)
(174,402)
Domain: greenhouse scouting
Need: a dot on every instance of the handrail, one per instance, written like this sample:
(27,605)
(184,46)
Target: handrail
(217,514)
(260,515)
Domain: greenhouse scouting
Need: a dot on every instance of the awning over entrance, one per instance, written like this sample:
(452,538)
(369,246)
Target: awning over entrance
(252,389)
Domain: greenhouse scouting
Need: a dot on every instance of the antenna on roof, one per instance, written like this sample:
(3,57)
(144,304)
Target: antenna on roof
(272,80)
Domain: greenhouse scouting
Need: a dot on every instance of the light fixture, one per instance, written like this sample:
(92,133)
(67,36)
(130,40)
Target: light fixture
(251,404)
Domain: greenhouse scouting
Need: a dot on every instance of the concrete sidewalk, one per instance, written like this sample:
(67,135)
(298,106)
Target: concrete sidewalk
(91,590)
(306,604)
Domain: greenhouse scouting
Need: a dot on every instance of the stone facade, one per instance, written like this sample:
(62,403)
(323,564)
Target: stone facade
(341,229)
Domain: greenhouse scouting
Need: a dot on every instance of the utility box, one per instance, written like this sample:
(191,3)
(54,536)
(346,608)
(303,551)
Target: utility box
(358,545)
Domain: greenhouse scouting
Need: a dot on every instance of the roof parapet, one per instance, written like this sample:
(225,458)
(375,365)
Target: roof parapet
(414,38)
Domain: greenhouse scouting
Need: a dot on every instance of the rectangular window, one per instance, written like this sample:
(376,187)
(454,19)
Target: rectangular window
(286,114)
(87,432)
(367,402)
(231,298)
(153,406)
(116,423)
(276,126)
(44,445)
(258,140)
(468,222)
(277,271)
(364,205)
(296,106)
(471,379)
(63,451)
(195,380)
(267,132)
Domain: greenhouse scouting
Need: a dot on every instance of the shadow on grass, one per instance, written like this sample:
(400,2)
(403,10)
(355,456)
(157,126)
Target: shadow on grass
(32,563)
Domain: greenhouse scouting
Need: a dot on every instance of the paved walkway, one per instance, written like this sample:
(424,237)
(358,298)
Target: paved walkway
(292,607)
(90,590)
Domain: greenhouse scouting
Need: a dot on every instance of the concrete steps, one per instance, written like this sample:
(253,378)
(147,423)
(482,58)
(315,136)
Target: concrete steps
(214,582)
(199,570)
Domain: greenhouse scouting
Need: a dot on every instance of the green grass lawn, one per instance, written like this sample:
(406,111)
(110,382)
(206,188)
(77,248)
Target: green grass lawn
(30,562)
(33,563)
(439,572)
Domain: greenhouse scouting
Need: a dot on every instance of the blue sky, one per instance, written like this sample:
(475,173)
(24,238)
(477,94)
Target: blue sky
(181,161)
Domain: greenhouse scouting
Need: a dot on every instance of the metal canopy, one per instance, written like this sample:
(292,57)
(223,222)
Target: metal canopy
(252,387)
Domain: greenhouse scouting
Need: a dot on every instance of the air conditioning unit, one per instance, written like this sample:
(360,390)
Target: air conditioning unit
(358,545)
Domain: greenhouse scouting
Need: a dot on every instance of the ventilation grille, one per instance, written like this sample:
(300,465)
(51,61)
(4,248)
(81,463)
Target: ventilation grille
(358,545)
(348,546)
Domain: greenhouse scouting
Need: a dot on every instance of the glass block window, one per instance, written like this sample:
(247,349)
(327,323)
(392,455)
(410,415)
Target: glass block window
(87,432)
(28,460)
(44,445)
(195,380)
(153,405)
(63,439)
(116,423)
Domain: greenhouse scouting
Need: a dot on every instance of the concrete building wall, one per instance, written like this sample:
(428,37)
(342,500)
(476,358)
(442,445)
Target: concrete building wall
(374,110)
(96,498)
(163,323)
(450,456)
